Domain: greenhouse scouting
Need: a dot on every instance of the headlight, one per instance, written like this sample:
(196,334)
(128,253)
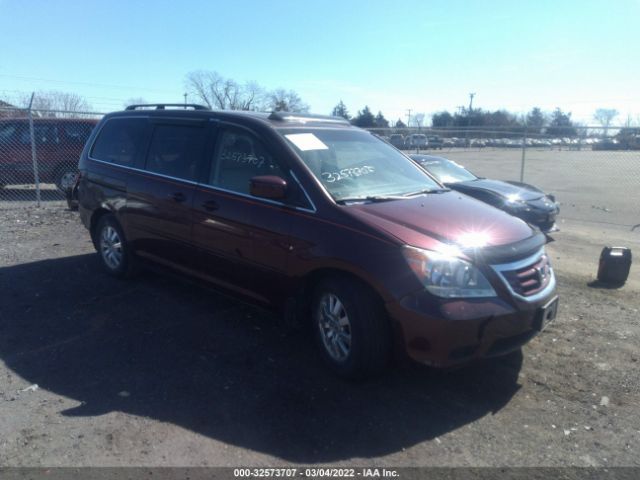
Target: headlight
(514,202)
(447,276)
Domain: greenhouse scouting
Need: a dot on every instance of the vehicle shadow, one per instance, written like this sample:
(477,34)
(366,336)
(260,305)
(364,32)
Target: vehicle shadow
(162,348)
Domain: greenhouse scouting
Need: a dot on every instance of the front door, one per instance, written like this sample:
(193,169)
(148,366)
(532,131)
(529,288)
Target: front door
(243,239)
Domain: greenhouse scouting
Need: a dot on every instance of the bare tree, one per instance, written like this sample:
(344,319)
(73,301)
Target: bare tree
(254,96)
(215,91)
(281,100)
(417,120)
(135,101)
(604,116)
(54,103)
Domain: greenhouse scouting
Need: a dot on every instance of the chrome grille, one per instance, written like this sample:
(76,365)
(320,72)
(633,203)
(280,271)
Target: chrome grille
(528,278)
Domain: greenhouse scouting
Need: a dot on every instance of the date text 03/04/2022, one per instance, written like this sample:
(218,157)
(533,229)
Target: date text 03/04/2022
(315,472)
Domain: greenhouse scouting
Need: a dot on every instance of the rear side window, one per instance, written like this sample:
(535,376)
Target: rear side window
(77,133)
(120,140)
(44,135)
(240,156)
(176,150)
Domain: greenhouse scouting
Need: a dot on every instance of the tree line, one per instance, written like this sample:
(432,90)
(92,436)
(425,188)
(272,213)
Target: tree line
(556,123)
(218,92)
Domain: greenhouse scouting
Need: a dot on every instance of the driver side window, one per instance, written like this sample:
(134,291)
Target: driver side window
(238,157)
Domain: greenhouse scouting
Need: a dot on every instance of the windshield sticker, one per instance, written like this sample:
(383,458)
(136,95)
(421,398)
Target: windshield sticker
(331,177)
(306,141)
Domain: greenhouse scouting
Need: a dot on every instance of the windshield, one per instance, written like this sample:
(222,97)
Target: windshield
(445,170)
(354,164)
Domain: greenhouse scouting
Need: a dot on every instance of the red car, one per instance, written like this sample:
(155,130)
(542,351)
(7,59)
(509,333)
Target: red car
(59,143)
(322,221)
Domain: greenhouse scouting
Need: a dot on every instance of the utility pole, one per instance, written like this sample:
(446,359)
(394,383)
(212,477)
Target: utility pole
(466,132)
(185,100)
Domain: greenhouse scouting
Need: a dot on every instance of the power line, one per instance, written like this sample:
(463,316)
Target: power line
(89,84)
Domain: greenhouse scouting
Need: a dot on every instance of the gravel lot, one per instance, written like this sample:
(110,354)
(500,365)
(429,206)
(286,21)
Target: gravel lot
(156,371)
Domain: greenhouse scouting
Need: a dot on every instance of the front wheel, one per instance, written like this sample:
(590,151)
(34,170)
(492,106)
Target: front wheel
(351,328)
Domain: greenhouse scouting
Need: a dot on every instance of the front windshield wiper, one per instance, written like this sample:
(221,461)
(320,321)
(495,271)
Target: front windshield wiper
(426,190)
(387,198)
(371,199)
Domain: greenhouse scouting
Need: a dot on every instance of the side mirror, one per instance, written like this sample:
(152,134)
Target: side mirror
(268,186)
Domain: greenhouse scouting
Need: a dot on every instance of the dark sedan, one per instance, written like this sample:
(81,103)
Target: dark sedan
(519,199)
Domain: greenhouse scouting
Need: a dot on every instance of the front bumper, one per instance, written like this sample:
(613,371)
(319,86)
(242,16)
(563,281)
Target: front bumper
(444,333)
(542,217)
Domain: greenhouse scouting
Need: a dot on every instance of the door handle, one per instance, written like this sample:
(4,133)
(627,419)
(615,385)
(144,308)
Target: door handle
(178,196)
(210,205)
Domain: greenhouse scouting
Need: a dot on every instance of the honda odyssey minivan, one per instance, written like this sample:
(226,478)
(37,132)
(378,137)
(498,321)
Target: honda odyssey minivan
(322,221)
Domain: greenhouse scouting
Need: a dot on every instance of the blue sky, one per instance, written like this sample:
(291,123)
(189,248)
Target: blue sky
(424,55)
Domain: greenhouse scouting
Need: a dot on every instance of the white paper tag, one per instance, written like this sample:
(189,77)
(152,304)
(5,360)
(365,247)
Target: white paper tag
(306,141)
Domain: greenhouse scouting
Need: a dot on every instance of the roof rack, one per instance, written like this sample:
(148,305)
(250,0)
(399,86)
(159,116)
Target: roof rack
(306,117)
(162,106)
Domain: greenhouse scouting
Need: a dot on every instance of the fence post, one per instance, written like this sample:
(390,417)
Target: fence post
(34,157)
(524,147)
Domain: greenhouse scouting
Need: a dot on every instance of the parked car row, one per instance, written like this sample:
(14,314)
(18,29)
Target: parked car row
(435,142)
(415,141)
(322,221)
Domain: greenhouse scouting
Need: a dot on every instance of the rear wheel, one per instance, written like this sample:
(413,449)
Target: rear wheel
(114,252)
(351,328)
(66,179)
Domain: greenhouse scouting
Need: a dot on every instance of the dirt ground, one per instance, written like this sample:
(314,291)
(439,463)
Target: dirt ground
(156,371)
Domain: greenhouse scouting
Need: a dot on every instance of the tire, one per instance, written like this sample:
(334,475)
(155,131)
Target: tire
(350,327)
(114,252)
(65,178)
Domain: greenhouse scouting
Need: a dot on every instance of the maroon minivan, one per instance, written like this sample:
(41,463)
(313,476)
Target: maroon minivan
(322,220)
(58,144)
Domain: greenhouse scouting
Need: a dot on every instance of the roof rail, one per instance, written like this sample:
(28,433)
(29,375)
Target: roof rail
(306,117)
(162,106)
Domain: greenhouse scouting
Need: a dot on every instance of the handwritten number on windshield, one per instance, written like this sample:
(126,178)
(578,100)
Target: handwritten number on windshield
(331,177)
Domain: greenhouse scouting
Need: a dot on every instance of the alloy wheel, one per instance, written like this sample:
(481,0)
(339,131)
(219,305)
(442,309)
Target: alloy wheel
(111,247)
(334,326)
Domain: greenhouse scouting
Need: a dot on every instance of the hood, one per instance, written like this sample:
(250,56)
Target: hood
(450,217)
(525,192)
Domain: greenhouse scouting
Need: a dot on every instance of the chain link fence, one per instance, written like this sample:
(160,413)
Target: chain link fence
(39,152)
(594,173)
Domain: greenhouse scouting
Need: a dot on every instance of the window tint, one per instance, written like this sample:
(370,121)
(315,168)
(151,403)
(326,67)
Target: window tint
(44,135)
(175,151)
(77,133)
(446,171)
(120,140)
(239,157)
(7,133)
